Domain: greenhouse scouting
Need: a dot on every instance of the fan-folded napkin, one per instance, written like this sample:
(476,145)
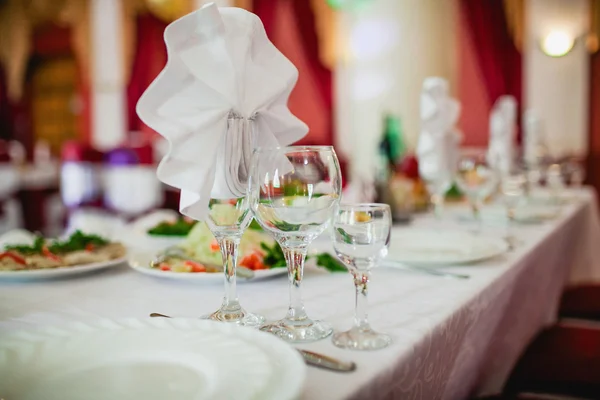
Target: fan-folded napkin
(503,123)
(223,92)
(437,147)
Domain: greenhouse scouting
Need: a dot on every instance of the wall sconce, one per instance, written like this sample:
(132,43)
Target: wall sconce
(557,44)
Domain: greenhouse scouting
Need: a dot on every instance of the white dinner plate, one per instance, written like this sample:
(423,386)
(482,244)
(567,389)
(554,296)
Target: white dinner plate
(149,359)
(429,248)
(141,263)
(51,273)
(527,214)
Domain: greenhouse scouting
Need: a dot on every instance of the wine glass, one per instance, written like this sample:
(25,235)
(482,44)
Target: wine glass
(476,179)
(513,187)
(437,182)
(227,220)
(293,193)
(361,237)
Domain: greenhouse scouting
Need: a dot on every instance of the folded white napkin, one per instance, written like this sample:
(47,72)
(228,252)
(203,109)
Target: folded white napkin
(503,127)
(222,70)
(438,144)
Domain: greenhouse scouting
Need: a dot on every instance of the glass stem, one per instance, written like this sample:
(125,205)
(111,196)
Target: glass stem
(475,207)
(361,281)
(229,253)
(438,205)
(510,216)
(295,262)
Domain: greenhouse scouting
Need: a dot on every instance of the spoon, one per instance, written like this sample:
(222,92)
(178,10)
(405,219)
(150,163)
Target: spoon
(311,358)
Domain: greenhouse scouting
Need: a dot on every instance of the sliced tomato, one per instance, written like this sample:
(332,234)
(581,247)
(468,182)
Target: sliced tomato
(195,267)
(15,257)
(165,267)
(252,260)
(48,254)
(89,247)
(214,245)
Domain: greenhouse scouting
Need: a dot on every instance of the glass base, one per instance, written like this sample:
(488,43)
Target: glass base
(239,317)
(304,331)
(361,339)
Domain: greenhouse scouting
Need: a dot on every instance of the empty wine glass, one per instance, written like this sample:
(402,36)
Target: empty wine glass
(476,179)
(513,187)
(438,182)
(227,220)
(293,193)
(361,237)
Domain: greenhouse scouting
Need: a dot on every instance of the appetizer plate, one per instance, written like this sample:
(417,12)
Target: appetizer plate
(141,263)
(431,248)
(52,273)
(150,359)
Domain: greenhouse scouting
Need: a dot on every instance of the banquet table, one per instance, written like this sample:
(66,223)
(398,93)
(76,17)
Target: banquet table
(452,339)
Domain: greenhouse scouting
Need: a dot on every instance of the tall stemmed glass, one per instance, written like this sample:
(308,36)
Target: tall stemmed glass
(293,194)
(477,180)
(361,237)
(227,220)
(513,187)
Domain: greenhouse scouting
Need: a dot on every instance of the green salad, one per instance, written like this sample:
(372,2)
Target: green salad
(180,227)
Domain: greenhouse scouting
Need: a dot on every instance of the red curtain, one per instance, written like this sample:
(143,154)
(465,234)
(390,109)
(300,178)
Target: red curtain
(593,158)
(498,58)
(150,59)
(305,18)
(297,38)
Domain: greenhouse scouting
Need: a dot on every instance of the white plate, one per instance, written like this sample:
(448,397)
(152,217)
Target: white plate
(51,273)
(149,359)
(528,214)
(141,263)
(440,248)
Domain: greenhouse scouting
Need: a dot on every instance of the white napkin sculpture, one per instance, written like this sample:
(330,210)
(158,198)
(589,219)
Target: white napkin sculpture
(438,144)
(503,128)
(223,92)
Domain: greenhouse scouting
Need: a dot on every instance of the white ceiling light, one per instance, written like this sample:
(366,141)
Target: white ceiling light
(557,44)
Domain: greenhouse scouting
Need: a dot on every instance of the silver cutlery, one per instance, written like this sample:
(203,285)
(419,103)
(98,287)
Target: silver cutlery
(310,358)
(429,271)
(326,362)
(179,253)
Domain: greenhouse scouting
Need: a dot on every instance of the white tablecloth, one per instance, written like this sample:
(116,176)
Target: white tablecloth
(452,338)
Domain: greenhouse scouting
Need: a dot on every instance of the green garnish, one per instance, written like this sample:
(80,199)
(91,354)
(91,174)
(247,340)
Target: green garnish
(346,238)
(255,225)
(330,263)
(77,241)
(181,227)
(273,257)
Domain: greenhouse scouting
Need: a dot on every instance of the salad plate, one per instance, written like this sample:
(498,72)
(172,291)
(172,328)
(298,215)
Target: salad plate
(61,272)
(24,255)
(430,248)
(150,359)
(141,263)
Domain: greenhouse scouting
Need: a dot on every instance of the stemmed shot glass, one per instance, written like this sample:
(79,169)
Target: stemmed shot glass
(293,194)
(513,186)
(361,237)
(477,180)
(227,220)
